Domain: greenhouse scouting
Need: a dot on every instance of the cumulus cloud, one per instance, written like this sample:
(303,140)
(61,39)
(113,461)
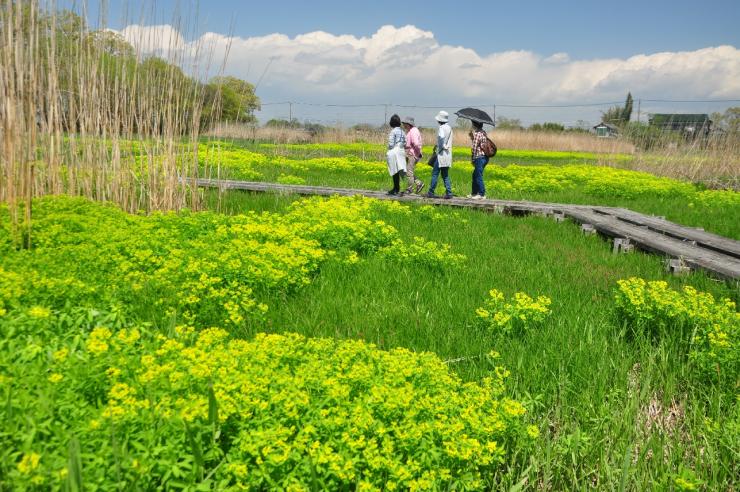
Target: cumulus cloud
(408,64)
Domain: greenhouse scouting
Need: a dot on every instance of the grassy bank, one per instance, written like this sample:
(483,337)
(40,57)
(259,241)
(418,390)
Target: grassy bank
(617,409)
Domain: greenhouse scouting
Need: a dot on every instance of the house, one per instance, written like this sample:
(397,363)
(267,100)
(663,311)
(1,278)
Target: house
(689,125)
(605,130)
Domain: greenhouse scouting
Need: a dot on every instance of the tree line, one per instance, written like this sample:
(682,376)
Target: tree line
(102,61)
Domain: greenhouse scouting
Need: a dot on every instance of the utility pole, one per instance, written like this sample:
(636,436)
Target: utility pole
(290,112)
(385,113)
(638,110)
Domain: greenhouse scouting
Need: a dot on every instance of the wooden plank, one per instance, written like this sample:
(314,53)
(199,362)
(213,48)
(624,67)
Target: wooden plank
(693,255)
(706,239)
(509,206)
(717,254)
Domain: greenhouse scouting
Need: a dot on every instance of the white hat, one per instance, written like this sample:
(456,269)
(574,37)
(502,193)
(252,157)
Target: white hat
(442,117)
(409,120)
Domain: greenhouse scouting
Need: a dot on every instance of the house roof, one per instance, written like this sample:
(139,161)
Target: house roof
(607,125)
(668,118)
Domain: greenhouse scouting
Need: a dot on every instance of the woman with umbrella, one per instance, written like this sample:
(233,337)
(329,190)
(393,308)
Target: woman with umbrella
(478,144)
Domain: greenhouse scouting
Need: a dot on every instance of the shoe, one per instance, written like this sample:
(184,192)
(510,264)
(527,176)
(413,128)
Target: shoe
(431,195)
(476,197)
(448,196)
(410,190)
(419,187)
(392,192)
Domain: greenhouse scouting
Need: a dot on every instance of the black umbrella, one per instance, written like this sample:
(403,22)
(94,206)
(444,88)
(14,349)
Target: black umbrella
(475,115)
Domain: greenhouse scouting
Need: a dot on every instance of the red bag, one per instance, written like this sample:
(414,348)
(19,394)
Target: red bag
(488,147)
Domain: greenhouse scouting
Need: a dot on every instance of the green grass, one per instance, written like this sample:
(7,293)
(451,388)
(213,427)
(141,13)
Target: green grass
(617,410)
(370,151)
(719,218)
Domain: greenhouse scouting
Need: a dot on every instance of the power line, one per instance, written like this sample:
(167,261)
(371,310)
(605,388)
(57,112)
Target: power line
(501,105)
(698,101)
(540,106)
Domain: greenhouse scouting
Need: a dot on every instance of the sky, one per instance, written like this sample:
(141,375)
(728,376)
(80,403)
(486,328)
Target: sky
(442,54)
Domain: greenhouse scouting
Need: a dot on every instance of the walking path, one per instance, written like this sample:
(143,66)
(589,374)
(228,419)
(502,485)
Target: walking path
(686,247)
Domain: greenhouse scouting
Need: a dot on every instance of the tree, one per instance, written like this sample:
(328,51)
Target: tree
(282,123)
(617,115)
(111,43)
(504,123)
(463,124)
(728,121)
(627,111)
(547,127)
(230,99)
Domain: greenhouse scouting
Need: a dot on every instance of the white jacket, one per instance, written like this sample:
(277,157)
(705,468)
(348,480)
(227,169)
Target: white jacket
(444,146)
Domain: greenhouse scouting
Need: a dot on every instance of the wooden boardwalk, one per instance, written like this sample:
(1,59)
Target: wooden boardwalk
(690,248)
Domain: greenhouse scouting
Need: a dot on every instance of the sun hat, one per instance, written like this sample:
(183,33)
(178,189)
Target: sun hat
(442,117)
(409,120)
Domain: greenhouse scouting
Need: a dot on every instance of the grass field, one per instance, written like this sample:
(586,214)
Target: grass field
(548,176)
(443,348)
(617,410)
(158,336)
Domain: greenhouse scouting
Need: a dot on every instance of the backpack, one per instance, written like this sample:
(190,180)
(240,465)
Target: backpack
(488,147)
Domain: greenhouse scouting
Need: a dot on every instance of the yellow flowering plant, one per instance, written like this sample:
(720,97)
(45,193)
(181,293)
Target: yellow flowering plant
(710,326)
(517,314)
(205,268)
(176,402)
(272,411)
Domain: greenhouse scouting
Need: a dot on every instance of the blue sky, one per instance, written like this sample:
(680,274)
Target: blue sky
(434,53)
(584,29)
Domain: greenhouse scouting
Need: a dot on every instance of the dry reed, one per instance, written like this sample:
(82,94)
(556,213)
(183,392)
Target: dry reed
(78,119)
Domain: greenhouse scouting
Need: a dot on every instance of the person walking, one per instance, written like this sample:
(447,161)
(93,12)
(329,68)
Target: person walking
(396,155)
(413,155)
(478,157)
(443,162)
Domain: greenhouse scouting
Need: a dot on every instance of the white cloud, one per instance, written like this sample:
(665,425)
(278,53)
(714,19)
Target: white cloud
(407,65)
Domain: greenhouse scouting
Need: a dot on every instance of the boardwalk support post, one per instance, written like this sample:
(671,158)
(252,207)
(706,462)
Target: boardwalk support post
(676,266)
(558,216)
(622,245)
(588,229)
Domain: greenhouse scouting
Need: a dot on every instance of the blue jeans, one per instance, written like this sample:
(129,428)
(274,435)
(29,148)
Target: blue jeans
(445,177)
(479,164)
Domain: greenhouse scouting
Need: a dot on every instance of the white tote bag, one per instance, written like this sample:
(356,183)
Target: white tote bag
(396,160)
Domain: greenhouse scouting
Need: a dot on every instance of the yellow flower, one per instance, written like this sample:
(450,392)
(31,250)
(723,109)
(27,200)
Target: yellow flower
(61,354)
(533,431)
(29,463)
(97,343)
(39,312)
(55,378)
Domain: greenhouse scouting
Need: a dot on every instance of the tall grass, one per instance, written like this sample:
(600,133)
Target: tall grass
(509,139)
(714,162)
(83,113)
